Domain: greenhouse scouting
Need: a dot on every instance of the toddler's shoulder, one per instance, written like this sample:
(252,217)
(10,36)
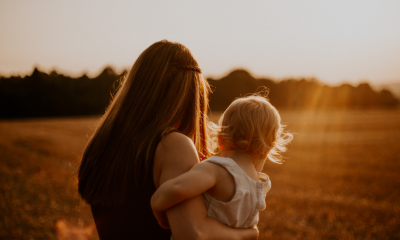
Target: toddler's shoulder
(211,166)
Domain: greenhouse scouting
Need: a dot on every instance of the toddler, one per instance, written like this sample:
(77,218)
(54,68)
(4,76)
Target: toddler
(234,189)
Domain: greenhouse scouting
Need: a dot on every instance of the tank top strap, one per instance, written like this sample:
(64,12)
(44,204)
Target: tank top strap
(231,166)
(264,181)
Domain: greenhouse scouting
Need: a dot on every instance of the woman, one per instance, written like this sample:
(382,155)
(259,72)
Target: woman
(150,133)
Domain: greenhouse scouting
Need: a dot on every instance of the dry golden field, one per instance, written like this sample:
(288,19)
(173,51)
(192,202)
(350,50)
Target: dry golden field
(341,179)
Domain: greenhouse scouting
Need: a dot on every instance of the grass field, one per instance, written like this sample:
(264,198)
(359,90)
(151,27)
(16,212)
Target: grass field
(341,179)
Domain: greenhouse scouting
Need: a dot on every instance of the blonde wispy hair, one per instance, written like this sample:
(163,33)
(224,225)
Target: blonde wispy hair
(253,124)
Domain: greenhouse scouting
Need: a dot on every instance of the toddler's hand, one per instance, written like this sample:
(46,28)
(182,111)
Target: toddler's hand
(162,219)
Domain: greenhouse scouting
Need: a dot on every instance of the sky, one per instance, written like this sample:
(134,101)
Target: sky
(334,41)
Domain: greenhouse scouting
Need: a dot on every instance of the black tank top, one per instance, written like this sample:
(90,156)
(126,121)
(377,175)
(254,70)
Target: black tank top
(132,221)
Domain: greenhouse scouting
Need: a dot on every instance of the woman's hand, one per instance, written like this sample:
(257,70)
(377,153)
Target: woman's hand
(162,219)
(255,233)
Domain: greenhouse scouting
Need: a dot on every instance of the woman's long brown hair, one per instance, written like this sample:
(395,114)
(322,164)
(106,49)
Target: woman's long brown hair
(163,92)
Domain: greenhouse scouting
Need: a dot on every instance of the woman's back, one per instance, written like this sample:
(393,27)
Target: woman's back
(134,220)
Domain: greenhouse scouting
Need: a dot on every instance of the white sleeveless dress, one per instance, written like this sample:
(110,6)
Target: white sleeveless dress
(249,198)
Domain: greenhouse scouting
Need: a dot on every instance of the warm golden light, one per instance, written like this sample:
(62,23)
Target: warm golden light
(334,41)
(325,64)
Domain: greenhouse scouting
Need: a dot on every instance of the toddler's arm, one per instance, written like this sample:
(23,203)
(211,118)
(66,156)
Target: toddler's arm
(197,180)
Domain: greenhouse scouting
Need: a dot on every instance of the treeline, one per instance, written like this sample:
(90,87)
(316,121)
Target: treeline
(299,93)
(42,94)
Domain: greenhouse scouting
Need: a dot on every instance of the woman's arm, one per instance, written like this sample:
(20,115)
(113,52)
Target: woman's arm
(188,219)
(197,180)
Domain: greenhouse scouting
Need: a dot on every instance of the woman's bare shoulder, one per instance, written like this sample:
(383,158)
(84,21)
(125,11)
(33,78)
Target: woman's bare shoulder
(174,155)
(175,138)
(175,143)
